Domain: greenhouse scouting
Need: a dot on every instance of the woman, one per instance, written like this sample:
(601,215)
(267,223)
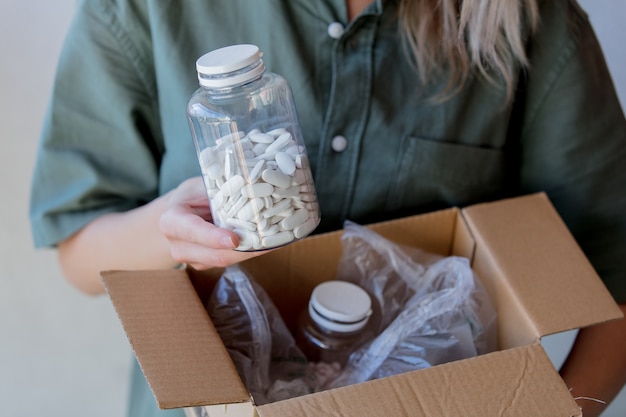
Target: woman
(452,102)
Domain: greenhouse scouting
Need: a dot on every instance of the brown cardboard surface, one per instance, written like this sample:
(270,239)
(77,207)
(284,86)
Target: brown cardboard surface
(520,250)
(177,346)
(540,278)
(515,382)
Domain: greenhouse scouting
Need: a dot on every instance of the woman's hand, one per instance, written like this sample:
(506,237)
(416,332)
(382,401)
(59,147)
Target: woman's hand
(171,229)
(194,239)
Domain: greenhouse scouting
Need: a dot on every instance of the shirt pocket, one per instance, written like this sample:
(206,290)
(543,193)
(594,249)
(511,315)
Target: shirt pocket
(433,173)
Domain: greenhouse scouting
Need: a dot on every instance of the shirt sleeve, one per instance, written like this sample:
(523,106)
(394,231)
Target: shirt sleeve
(574,142)
(100,146)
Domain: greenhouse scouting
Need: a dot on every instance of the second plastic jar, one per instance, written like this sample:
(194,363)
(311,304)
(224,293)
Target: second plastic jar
(336,322)
(251,151)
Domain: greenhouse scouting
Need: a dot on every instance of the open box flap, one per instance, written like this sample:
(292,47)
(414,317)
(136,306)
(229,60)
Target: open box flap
(177,347)
(524,253)
(516,382)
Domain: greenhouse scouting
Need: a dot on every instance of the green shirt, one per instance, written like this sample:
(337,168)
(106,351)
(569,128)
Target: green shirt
(116,135)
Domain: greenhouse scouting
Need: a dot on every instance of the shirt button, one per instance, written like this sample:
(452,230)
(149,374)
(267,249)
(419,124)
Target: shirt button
(335,30)
(339,143)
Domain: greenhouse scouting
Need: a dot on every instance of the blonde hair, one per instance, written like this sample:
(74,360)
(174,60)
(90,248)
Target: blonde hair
(461,37)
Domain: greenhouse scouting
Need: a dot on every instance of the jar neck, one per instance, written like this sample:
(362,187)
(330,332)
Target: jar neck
(225,82)
(335,333)
(238,89)
(328,324)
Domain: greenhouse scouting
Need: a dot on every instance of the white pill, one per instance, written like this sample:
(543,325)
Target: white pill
(218,201)
(268,156)
(305,229)
(208,183)
(211,191)
(250,209)
(276,178)
(255,174)
(293,150)
(286,213)
(279,143)
(207,156)
(229,168)
(214,171)
(302,161)
(228,203)
(261,138)
(272,229)
(277,132)
(278,239)
(233,185)
(247,239)
(259,189)
(285,163)
(285,192)
(297,203)
(236,206)
(252,132)
(262,224)
(240,224)
(277,208)
(295,220)
(259,149)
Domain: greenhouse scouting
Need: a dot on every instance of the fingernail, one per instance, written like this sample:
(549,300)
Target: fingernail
(227,242)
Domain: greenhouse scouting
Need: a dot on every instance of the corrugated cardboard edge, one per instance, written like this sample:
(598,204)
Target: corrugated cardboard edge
(516,382)
(177,347)
(526,251)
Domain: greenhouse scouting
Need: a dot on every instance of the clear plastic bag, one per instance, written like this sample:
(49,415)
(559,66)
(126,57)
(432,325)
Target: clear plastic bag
(432,309)
(256,337)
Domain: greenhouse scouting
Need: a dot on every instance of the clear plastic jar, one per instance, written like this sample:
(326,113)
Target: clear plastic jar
(336,322)
(251,151)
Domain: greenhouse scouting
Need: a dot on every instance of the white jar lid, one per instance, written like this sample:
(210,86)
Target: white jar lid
(340,306)
(219,68)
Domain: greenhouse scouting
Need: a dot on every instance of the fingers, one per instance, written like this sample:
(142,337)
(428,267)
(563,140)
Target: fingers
(200,257)
(193,239)
(182,224)
(190,192)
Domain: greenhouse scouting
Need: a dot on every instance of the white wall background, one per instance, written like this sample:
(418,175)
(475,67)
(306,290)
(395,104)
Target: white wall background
(63,354)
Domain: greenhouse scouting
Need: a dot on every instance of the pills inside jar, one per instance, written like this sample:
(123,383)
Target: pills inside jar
(251,151)
(259,186)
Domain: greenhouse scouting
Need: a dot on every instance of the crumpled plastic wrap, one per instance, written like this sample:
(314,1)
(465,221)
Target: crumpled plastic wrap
(431,309)
(255,335)
(428,310)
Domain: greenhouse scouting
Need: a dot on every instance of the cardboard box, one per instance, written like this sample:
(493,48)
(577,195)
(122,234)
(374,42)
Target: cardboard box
(535,273)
